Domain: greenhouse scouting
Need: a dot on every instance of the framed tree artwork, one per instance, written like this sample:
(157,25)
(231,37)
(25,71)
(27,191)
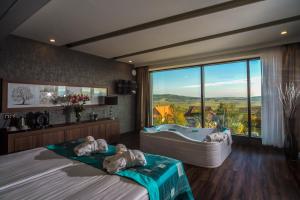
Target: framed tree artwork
(17,96)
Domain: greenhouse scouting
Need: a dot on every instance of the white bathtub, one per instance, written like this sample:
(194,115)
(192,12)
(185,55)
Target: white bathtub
(185,144)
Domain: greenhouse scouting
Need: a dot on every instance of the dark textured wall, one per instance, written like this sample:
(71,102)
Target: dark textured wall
(25,60)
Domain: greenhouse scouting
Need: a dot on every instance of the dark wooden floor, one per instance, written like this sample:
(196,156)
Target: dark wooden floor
(250,172)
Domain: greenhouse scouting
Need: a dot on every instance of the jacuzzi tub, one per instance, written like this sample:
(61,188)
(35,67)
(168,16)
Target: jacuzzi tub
(186,144)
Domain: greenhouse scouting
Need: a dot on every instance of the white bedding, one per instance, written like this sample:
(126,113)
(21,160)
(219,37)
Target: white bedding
(21,166)
(42,174)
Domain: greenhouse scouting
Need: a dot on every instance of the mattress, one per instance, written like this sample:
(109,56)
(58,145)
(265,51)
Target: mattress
(42,174)
(185,144)
(22,166)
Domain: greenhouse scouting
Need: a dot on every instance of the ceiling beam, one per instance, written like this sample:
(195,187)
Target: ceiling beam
(219,35)
(167,20)
(14,12)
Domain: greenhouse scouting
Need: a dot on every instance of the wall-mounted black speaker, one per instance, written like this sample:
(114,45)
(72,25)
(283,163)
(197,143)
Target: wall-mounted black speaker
(126,87)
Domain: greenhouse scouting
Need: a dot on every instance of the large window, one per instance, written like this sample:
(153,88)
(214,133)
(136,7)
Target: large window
(176,97)
(225,95)
(229,94)
(255,96)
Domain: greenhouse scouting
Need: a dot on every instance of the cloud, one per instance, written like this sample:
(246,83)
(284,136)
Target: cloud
(222,83)
(191,86)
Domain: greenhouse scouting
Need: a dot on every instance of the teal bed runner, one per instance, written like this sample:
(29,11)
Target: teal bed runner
(163,177)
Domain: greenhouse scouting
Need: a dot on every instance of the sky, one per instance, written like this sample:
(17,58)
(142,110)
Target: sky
(221,80)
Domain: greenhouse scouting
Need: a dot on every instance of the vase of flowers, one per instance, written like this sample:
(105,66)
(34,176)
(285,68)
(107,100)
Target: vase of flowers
(78,101)
(72,103)
(78,109)
(288,97)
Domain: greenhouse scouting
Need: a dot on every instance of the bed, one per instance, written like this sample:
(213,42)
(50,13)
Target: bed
(186,144)
(54,173)
(42,174)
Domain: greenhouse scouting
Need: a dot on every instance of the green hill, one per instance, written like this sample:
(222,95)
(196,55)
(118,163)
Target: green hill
(181,99)
(174,98)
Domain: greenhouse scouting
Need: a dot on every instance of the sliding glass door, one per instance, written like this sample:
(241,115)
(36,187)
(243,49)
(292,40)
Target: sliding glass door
(176,97)
(229,95)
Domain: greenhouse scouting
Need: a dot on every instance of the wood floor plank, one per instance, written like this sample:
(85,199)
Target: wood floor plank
(249,173)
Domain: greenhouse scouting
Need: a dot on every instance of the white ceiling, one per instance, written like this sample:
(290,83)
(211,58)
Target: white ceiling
(72,20)
(255,39)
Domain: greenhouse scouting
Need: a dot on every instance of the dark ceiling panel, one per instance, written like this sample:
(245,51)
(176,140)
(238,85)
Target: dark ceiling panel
(5,5)
(16,12)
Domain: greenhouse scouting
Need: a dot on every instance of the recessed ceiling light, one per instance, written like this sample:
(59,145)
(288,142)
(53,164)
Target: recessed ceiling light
(52,40)
(130,61)
(283,32)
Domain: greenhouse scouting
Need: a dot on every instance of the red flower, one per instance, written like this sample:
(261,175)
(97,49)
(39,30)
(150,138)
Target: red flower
(78,98)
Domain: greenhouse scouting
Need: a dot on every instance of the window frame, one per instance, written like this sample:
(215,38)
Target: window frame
(202,81)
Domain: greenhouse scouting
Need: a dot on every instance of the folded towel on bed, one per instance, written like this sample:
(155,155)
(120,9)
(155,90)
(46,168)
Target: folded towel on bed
(102,146)
(120,148)
(123,159)
(91,146)
(163,177)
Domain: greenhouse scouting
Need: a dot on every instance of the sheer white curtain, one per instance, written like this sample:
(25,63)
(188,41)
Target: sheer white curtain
(272,116)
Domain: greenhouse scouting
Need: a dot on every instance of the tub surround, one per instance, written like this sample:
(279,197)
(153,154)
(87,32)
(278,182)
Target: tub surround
(186,144)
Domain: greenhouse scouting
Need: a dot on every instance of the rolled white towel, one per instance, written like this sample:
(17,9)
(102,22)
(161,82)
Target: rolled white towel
(91,146)
(102,146)
(83,149)
(139,159)
(89,139)
(216,137)
(121,148)
(114,163)
(127,159)
(219,137)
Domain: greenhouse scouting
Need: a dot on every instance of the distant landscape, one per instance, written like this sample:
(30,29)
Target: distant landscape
(177,98)
(230,112)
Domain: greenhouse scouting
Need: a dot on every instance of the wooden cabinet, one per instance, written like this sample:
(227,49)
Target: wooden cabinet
(101,131)
(9,146)
(72,134)
(112,133)
(24,141)
(20,141)
(53,137)
(94,131)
